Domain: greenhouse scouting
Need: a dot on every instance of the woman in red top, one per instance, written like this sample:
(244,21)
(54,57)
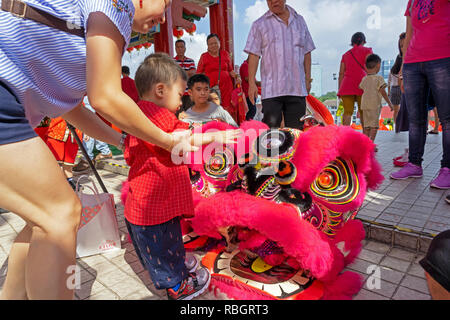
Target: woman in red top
(350,75)
(426,65)
(209,65)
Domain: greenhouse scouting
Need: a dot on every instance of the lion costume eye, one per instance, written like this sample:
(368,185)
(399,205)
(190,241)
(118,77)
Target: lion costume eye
(275,145)
(337,183)
(327,179)
(219,163)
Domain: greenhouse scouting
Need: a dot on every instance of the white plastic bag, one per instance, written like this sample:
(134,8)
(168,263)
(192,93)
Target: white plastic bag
(259,115)
(98,231)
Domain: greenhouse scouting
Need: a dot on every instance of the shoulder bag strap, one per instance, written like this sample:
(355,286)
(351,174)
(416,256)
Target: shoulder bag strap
(22,10)
(220,66)
(364,69)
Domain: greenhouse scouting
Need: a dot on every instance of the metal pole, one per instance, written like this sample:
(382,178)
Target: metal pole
(83,150)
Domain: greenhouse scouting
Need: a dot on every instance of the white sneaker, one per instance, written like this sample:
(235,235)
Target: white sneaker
(191,262)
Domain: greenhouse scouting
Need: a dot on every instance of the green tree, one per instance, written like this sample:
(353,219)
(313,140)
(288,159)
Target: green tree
(328,96)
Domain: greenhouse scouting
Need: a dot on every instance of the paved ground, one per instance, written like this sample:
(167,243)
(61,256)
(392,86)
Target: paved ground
(409,203)
(409,212)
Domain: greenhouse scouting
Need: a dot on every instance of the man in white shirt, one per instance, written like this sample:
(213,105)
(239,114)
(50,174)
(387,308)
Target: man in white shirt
(282,40)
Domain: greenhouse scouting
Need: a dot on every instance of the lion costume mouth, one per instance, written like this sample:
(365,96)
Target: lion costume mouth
(279,282)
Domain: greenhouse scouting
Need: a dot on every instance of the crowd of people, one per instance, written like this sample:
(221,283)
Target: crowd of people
(172,94)
(417,84)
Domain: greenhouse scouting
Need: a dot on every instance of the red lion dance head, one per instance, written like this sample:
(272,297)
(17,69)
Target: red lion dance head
(285,202)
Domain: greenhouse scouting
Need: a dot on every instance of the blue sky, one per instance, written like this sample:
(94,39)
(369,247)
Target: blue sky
(331,23)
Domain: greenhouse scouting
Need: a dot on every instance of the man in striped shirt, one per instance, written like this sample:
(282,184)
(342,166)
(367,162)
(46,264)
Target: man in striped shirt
(282,40)
(188,65)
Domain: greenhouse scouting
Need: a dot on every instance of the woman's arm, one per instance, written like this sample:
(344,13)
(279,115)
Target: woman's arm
(91,125)
(201,65)
(341,74)
(229,66)
(104,54)
(409,34)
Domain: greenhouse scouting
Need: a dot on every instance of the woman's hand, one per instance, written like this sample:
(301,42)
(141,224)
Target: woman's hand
(227,137)
(221,137)
(181,142)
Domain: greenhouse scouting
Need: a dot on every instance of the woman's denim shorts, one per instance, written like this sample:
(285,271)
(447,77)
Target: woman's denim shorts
(14,126)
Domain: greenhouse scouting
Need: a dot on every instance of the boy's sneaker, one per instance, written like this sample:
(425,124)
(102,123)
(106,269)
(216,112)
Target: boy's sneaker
(408,171)
(447,198)
(443,179)
(191,262)
(194,285)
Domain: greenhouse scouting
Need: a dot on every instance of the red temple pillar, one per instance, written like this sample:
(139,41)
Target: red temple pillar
(221,23)
(164,39)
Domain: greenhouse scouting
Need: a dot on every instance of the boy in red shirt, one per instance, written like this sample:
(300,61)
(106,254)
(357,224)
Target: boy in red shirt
(159,190)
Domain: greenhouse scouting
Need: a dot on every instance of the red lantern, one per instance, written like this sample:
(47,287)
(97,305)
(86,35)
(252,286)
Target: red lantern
(178,33)
(139,47)
(147,45)
(192,29)
(130,49)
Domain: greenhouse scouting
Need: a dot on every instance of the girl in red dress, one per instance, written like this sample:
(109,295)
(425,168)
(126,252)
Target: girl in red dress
(63,146)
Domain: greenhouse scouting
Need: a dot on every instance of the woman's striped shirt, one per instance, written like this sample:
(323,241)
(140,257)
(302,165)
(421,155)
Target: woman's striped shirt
(46,67)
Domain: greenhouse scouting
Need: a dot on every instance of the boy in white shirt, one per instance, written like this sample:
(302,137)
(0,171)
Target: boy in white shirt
(374,88)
